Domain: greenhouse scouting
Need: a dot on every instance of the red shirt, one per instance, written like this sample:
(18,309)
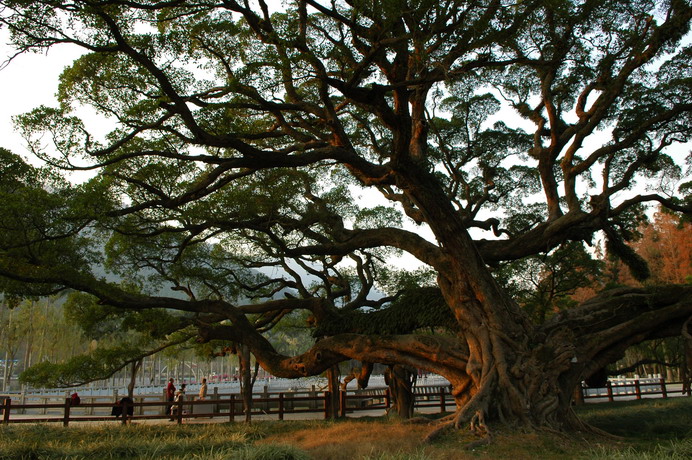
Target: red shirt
(170,390)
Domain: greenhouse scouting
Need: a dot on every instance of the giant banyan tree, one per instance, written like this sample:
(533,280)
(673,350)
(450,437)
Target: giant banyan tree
(258,162)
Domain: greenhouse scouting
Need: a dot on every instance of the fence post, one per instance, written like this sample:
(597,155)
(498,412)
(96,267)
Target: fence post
(313,402)
(289,404)
(231,409)
(387,398)
(342,403)
(125,408)
(637,389)
(66,416)
(664,390)
(180,411)
(44,411)
(281,406)
(443,403)
(609,387)
(22,399)
(327,399)
(215,397)
(165,408)
(6,407)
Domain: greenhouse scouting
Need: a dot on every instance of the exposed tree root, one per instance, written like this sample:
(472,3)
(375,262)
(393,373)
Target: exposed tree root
(599,432)
(437,432)
(418,421)
(484,441)
(479,429)
(576,424)
(478,425)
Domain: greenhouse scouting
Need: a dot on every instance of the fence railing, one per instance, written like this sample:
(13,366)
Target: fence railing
(228,406)
(279,404)
(634,389)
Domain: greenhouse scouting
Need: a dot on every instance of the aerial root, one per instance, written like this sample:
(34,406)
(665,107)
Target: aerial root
(477,425)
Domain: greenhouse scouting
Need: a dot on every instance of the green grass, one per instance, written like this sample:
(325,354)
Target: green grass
(651,429)
(648,429)
(208,442)
(647,418)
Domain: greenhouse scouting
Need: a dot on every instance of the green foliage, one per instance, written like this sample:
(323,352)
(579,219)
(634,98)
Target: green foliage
(543,285)
(636,264)
(392,281)
(39,331)
(421,308)
(293,335)
(99,364)
(99,321)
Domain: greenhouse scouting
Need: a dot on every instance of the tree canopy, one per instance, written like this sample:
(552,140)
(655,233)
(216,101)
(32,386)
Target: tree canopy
(262,162)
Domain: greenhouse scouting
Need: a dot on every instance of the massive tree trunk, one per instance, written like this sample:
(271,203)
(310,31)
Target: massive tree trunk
(513,373)
(514,370)
(531,378)
(507,378)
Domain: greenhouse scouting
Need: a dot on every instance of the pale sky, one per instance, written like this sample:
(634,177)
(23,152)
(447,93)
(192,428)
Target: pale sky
(28,81)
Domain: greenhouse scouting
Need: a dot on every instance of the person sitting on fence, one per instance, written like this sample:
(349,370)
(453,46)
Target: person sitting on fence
(179,397)
(75,399)
(117,410)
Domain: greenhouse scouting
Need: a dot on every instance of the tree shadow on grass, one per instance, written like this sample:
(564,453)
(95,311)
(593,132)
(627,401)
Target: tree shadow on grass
(646,419)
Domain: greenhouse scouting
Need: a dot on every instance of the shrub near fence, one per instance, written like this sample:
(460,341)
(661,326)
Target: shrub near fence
(227,406)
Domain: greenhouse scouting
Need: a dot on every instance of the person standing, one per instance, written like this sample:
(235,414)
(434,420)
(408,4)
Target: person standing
(203,390)
(170,396)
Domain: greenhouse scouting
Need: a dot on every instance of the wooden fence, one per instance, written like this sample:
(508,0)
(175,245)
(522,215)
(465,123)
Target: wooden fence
(634,389)
(227,406)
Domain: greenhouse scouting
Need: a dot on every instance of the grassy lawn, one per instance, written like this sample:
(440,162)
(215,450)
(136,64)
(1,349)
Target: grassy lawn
(649,429)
